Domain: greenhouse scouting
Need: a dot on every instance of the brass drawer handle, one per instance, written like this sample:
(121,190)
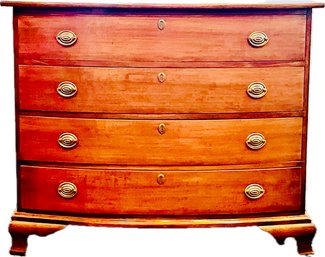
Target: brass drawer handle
(161,179)
(67,190)
(162,77)
(256,90)
(161,24)
(254,191)
(255,141)
(67,89)
(162,128)
(258,39)
(67,140)
(66,38)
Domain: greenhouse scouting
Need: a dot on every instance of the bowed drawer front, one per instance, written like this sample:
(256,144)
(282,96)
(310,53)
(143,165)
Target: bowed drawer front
(155,142)
(161,90)
(160,192)
(132,40)
(161,116)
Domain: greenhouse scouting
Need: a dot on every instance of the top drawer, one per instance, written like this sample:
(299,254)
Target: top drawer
(131,40)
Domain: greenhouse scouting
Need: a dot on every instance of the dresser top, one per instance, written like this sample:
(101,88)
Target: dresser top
(271,4)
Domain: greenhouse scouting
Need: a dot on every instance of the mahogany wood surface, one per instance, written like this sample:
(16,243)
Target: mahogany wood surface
(20,231)
(270,4)
(138,142)
(137,90)
(159,221)
(208,62)
(130,40)
(138,192)
(24,224)
(303,233)
(165,116)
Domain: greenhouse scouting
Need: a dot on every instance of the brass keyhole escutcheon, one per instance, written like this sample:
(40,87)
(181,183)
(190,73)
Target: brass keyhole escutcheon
(162,128)
(161,179)
(161,77)
(161,24)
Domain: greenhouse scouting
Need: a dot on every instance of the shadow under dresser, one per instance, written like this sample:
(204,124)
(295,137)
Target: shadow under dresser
(161,116)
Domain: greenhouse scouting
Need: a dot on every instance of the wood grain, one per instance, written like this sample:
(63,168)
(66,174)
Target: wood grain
(138,142)
(21,230)
(90,4)
(303,233)
(183,193)
(156,221)
(130,90)
(136,39)
(166,116)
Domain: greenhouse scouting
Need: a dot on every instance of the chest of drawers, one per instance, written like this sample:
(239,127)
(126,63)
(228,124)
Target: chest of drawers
(161,116)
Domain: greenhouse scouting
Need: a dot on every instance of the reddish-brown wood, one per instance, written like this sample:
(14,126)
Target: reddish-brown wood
(25,224)
(166,116)
(303,233)
(136,39)
(20,230)
(90,4)
(138,142)
(262,165)
(139,193)
(306,93)
(197,39)
(123,90)
(151,64)
(159,222)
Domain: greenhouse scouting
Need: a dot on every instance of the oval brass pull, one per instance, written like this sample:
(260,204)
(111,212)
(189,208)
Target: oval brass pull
(162,77)
(255,141)
(161,179)
(258,39)
(162,128)
(67,89)
(254,191)
(67,190)
(256,90)
(67,140)
(66,38)
(161,24)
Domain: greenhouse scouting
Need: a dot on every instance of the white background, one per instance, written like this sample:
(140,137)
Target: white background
(89,241)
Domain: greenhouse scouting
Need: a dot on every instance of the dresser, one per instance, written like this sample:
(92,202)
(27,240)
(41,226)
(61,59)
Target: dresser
(161,116)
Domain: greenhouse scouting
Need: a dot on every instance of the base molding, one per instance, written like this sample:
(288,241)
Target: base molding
(24,224)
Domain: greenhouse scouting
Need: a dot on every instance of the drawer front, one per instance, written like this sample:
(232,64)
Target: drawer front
(127,40)
(160,90)
(155,142)
(178,193)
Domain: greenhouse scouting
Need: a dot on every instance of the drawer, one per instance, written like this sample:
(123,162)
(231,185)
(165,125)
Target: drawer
(177,193)
(129,40)
(160,90)
(157,142)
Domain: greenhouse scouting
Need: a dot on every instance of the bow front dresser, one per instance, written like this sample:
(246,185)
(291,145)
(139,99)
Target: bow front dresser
(161,116)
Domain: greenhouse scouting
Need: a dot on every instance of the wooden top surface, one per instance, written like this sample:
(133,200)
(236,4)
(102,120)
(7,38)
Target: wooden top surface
(210,4)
